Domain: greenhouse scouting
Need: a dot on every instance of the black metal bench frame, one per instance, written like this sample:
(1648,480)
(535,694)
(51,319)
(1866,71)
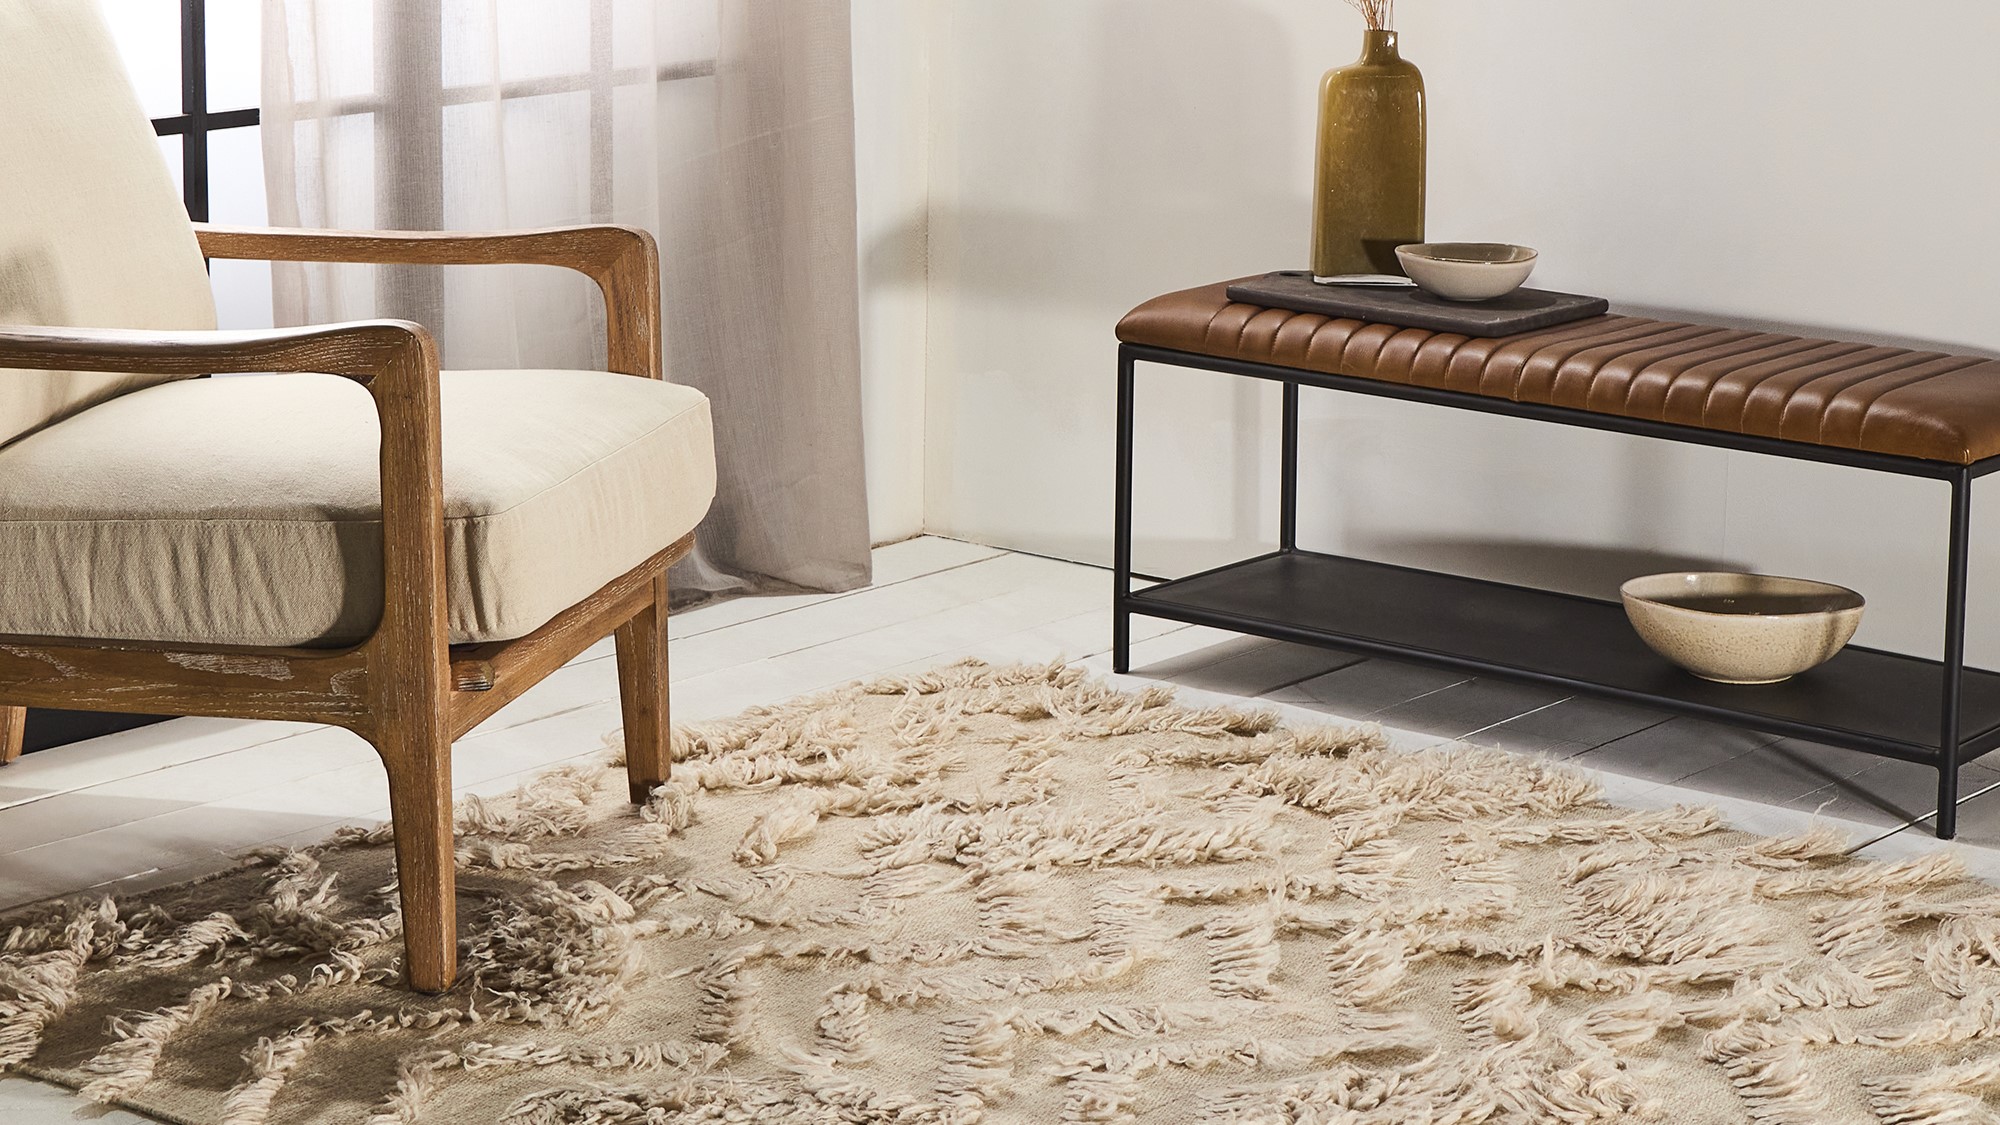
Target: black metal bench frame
(1938,713)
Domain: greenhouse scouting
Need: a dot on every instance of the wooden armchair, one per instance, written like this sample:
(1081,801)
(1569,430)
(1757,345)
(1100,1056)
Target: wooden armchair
(183,545)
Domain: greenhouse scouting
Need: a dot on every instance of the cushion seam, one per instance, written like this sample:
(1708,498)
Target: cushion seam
(377,519)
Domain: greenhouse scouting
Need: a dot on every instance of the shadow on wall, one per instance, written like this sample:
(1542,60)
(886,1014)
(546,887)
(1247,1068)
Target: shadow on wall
(1588,571)
(1158,150)
(1096,157)
(1594,572)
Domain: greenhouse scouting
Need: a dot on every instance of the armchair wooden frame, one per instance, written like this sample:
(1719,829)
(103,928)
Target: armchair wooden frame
(404,689)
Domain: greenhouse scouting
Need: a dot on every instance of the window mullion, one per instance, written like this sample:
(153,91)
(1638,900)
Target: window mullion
(194,108)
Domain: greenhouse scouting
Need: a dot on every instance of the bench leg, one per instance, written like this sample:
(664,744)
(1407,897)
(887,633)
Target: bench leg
(1956,564)
(1121,530)
(1947,801)
(643,696)
(1288,472)
(13,725)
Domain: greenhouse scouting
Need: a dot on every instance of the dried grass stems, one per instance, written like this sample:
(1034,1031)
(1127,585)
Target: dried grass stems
(1380,14)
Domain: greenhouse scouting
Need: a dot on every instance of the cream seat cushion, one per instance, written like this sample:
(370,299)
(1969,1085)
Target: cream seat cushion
(246,510)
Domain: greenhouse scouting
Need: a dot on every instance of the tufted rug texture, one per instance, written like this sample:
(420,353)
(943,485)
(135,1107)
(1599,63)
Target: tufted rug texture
(1017,895)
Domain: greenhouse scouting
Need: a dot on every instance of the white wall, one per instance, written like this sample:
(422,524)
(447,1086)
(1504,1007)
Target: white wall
(892,152)
(1812,165)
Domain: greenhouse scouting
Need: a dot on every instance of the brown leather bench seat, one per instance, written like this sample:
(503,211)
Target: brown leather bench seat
(1896,401)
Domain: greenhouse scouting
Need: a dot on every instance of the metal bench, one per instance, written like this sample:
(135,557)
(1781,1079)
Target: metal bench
(1891,410)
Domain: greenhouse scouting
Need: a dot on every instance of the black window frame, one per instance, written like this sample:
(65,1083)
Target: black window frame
(196,120)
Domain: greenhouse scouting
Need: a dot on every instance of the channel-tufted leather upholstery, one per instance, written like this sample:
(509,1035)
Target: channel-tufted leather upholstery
(1896,401)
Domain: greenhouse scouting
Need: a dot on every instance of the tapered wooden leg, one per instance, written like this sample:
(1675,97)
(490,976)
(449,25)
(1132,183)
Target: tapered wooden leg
(642,693)
(419,764)
(13,724)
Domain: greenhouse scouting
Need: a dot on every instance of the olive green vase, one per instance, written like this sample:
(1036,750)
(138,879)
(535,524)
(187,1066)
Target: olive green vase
(1368,197)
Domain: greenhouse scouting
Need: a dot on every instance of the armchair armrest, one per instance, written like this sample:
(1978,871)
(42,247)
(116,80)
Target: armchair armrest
(395,360)
(623,261)
(360,350)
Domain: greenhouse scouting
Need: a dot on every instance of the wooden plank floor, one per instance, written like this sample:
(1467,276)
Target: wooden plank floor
(169,802)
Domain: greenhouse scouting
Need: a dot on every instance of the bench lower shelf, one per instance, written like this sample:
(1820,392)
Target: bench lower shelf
(1864,699)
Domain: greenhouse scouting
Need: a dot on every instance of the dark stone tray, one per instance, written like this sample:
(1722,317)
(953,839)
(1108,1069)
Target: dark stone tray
(1523,310)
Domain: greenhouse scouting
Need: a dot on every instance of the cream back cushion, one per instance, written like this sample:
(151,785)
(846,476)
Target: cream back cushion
(92,232)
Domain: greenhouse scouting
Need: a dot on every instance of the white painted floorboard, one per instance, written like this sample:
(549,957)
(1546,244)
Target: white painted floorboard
(177,800)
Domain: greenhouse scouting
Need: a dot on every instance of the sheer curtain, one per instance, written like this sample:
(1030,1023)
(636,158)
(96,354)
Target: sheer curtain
(725,127)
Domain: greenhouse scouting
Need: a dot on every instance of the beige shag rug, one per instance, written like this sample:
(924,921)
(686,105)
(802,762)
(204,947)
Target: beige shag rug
(1015,895)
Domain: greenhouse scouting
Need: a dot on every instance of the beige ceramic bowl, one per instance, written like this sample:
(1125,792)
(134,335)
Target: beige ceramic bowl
(1467,271)
(1741,628)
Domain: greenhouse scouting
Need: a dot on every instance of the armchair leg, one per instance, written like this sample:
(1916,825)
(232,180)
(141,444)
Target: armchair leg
(13,724)
(642,694)
(419,764)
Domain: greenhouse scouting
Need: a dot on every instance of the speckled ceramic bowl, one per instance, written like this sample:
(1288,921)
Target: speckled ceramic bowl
(1467,271)
(1741,628)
